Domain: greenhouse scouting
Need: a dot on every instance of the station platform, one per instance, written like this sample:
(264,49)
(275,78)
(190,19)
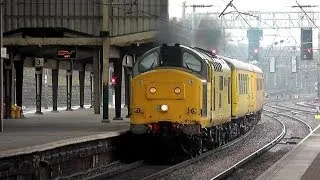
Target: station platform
(302,162)
(51,130)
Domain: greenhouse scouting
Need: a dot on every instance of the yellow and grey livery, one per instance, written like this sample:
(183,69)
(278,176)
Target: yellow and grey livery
(177,90)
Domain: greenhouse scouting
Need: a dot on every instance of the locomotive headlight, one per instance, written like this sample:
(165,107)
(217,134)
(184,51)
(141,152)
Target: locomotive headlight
(177,90)
(164,108)
(153,90)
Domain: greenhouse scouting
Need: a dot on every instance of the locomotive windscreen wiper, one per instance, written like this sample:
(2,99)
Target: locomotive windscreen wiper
(188,66)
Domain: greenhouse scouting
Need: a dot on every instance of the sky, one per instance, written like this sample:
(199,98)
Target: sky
(175,10)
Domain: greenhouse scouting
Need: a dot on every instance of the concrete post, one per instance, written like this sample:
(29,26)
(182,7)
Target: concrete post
(96,82)
(8,89)
(13,83)
(38,90)
(106,53)
(19,81)
(69,89)
(82,75)
(100,79)
(91,89)
(55,83)
(118,74)
(45,93)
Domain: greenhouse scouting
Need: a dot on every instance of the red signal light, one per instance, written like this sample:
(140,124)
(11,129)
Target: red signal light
(309,50)
(113,80)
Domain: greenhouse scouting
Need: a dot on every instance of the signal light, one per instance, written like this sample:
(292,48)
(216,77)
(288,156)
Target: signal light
(255,50)
(113,80)
(214,51)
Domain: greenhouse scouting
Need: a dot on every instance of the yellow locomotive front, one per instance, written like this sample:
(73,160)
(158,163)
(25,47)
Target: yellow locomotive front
(169,92)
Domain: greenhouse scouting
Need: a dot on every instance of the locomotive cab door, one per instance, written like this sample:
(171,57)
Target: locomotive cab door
(211,97)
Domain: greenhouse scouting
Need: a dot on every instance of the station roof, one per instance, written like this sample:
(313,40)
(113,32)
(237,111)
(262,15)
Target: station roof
(62,36)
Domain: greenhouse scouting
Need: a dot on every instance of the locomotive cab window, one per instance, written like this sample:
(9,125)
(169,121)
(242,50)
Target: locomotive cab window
(172,57)
(191,62)
(175,56)
(149,62)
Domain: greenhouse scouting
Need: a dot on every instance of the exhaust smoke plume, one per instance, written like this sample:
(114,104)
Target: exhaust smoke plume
(208,35)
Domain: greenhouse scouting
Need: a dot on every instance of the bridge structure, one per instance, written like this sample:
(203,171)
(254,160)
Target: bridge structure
(74,35)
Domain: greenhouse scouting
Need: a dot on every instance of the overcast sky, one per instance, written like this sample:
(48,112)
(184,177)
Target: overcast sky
(175,10)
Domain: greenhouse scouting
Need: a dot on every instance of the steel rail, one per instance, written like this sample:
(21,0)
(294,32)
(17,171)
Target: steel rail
(292,108)
(255,154)
(183,164)
(291,117)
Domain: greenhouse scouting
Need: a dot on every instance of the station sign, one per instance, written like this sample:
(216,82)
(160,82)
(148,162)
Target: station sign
(66,53)
(39,62)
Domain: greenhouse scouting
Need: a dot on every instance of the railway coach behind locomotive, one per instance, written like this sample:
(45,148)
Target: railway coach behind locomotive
(194,97)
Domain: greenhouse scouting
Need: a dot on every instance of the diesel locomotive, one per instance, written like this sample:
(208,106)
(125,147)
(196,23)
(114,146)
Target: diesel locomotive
(194,97)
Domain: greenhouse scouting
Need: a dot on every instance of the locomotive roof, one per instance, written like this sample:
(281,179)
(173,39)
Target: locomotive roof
(236,64)
(256,69)
(233,63)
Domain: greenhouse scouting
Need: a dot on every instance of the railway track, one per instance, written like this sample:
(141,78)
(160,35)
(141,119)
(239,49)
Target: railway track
(305,104)
(294,127)
(296,130)
(290,117)
(167,170)
(255,154)
(292,109)
(193,160)
(142,170)
(299,112)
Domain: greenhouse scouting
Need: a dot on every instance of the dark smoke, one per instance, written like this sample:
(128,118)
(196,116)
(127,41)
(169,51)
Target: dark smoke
(207,36)
(173,32)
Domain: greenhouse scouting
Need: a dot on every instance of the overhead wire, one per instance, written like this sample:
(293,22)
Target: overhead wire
(277,32)
(307,15)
